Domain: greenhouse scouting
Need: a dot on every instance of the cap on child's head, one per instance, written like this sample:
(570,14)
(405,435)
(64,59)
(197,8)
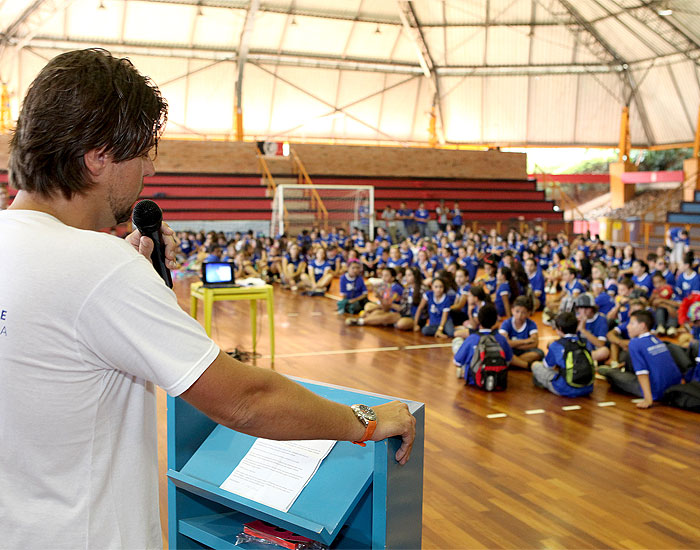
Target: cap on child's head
(584,300)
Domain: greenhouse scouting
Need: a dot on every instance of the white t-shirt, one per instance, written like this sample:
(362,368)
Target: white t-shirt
(86,328)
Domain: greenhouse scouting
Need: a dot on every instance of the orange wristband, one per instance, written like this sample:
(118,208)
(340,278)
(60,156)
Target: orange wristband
(369,431)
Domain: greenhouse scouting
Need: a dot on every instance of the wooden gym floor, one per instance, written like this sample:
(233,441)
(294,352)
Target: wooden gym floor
(606,475)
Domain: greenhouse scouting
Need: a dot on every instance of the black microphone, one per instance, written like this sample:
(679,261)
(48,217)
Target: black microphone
(147,218)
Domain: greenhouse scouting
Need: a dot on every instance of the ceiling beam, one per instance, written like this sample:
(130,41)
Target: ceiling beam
(309,60)
(243,49)
(413,29)
(337,16)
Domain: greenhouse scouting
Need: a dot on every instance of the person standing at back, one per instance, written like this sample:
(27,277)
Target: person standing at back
(83,349)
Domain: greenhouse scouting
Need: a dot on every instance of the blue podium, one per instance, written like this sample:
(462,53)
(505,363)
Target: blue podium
(360,497)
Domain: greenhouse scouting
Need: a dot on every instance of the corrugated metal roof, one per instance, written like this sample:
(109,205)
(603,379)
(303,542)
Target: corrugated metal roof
(508,71)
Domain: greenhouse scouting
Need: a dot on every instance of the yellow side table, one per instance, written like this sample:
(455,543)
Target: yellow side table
(251,293)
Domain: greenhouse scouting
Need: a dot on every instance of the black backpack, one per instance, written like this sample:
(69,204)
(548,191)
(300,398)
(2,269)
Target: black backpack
(578,369)
(489,365)
(684,396)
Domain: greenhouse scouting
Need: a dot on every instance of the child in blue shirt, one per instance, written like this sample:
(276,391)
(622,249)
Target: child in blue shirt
(506,291)
(687,280)
(464,349)
(319,275)
(438,303)
(653,368)
(592,327)
(353,289)
(522,334)
(549,373)
(641,277)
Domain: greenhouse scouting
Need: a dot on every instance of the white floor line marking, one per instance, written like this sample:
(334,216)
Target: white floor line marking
(496,415)
(607,404)
(535,411)
(571,408)
(428,346)
(637,400)
(292,315)
(333,352)
(316,313)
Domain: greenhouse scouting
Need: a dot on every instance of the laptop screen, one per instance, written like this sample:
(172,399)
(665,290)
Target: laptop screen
(219,273)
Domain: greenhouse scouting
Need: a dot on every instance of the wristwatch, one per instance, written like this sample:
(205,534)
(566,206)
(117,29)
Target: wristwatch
(369,420)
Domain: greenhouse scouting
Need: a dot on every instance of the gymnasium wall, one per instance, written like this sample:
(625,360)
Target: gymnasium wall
(337,160)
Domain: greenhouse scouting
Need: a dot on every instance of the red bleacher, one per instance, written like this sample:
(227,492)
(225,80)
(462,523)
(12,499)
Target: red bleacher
(232,197)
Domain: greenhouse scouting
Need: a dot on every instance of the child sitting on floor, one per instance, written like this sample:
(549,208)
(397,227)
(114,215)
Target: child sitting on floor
(522,334)
(384,310)
(464,349)
(438,303)
(654,368)
(353,289)
(561,377)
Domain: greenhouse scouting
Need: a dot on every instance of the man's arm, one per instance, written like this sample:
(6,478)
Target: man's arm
(265,404)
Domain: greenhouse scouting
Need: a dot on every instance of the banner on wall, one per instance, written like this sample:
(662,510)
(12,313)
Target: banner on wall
(274,148)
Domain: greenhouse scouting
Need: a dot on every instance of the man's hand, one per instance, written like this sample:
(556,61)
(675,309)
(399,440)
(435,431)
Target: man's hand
(144,245)
(394,419)
(645,404)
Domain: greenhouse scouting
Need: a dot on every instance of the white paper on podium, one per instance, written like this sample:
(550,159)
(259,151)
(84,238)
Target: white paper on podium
(273,473)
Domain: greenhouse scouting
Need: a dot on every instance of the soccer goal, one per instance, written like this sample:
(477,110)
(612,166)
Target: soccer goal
(302,206)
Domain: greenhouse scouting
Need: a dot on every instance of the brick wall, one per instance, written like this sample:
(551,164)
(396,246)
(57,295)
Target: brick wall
(340,160)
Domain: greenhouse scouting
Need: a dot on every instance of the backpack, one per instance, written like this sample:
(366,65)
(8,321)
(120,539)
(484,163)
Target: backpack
(489,365)
(684,396)
(578,369)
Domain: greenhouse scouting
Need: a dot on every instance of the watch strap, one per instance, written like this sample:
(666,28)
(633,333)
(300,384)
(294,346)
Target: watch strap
(369,431)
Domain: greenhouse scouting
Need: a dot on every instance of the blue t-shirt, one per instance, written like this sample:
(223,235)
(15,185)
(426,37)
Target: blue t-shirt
(510,331)
(555,358)
(352,288)
(574,288)
(435,309)
(396,264)
(422,216)
(396,291)
(670,277)
(686,285)
(294,261)
(489,285)
(537,282)
(604,302)
(502,293)
(471,264)
(598,327)
(405,212)
(463,357)
(319,268)
(649,355)
(456,217)
(626,264)
(645,283)
(621,329)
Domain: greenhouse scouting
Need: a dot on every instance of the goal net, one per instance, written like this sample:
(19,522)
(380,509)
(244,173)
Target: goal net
(304,206)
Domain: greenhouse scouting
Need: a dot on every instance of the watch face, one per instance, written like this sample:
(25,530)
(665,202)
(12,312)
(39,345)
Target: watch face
(368,413)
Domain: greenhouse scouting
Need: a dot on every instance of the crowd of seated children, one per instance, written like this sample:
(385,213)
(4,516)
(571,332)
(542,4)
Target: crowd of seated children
(437,290)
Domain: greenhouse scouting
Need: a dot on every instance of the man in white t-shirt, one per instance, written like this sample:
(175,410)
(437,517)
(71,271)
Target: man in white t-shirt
(87,328)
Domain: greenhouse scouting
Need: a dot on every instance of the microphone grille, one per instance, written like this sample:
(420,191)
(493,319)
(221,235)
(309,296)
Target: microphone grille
(147,216)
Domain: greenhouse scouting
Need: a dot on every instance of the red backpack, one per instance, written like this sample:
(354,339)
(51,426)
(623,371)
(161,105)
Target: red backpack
(489,365)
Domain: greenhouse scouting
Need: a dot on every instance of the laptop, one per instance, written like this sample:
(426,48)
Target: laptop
(219,275)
